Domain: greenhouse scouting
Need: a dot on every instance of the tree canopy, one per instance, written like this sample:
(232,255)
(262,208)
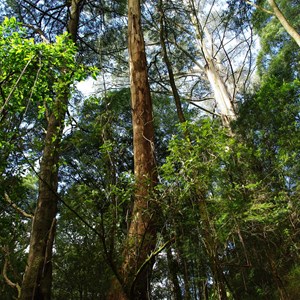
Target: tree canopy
(174,174)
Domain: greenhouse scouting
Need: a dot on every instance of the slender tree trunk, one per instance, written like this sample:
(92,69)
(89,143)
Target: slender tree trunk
(37,279)
(281,18)
(284,22)
(173,269)
(141,238)
(162,35)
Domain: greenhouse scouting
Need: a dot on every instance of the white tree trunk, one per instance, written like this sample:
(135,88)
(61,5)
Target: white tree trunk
(222,96)
(223,93)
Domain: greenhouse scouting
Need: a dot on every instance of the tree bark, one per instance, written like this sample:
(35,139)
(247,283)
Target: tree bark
(284,22)
(220,91)
(169,65)
(37,280)
(38,274)
(223,97)
(141,238)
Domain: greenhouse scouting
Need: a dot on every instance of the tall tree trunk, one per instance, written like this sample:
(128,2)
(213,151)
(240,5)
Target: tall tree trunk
(219,88)
(223,95)
(38,274)
(141,238)
(37,279)
(284,22)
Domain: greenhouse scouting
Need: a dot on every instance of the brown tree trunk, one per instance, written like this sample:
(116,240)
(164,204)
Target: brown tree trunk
(37,278)
(141,237)
(38,274)
(169,65)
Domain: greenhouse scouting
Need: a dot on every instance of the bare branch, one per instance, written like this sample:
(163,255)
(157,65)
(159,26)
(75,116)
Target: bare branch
(17,208)
(259,7)
(38,31)
(202,108)
(44,13)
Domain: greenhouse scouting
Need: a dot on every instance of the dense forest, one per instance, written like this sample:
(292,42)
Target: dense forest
(150,149)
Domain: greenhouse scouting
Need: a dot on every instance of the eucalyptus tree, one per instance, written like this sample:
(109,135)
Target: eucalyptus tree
(210,60)
(141,236)
(97,175)
(274,8)
(238,192)
(213,65)
(38,274)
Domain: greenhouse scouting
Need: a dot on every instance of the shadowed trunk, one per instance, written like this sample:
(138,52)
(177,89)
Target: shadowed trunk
(167,61)
(37,279)
(38,274)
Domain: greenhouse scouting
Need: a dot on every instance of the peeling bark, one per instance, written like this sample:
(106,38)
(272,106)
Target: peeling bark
(141,237)
(223,95)
(219,88)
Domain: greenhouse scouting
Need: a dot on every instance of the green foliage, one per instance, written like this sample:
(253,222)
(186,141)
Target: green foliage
(247,202)
(292,280)
(230,202)
(33,77)
(96,170)
(279,54)
(14,228)
(269,124)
